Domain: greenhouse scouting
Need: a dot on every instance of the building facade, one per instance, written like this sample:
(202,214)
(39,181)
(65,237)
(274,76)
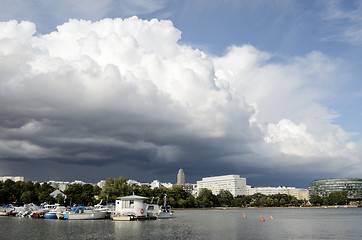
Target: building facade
(299,193)
(351,186)
(15,179)
(233,183)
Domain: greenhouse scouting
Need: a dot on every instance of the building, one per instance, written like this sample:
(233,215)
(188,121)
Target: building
(133,182)
(233,183)
(15,179)
(56,192)
(323,187)
(155,184)
(180,177)
(299,193)
(101,184)
(188,187)
(62,186)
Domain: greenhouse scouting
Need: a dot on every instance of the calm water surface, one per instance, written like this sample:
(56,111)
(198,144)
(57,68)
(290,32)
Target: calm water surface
(337,223)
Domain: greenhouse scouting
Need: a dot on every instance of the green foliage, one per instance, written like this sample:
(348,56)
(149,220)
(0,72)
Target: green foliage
(316,200)
(206,198)
(338,198)
(225,198)
(59,198)
(80,194)
(24,192)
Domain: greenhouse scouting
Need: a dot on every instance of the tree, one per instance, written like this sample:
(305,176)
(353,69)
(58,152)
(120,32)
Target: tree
(225,198)
(74,194)
(59,198)
(316,200)
(206,198)
(338,198)
(28,197)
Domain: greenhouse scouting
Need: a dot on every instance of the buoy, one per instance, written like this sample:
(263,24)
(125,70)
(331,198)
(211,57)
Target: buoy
(244,215)
(271,217)
(262,219)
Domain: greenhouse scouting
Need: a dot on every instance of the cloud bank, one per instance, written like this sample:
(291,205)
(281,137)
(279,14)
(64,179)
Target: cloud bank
(125,95)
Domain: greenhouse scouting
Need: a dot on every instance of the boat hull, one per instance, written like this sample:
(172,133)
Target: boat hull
(84,216)
(51,215)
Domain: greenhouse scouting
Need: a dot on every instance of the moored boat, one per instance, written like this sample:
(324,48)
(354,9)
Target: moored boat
(82,213)
(53,213)
(3,212)
(131,208)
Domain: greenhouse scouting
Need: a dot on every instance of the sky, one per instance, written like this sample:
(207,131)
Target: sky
(268,90)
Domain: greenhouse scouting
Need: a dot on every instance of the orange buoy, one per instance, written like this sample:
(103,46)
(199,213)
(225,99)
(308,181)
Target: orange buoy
(271,217)
(244,215)
(262,219)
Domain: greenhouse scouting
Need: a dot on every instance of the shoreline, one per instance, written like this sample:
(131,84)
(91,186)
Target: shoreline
(244,208)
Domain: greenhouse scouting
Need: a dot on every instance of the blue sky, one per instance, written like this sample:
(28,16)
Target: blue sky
(287,75)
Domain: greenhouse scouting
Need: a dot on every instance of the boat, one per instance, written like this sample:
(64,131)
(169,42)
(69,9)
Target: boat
(43,210)
(165,211)
(130,208)
(3,212)
(82,213)
(53,213)
(161,212)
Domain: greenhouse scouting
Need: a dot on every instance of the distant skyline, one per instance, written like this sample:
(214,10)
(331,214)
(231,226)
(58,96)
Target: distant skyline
(268,90)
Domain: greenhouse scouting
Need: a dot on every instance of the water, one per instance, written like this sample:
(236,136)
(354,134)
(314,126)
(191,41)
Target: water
(340,223)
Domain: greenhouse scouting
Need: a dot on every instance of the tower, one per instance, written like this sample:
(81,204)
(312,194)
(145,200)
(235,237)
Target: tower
(180,177)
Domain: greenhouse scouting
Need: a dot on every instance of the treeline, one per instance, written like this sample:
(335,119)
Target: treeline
(225,198)
(87,194)
(25,192)
(334,198)
(28,192)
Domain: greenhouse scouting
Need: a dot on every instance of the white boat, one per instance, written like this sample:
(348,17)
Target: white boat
(165,211)
(161,212)
(131,208)
(82,213)
(3,212)
(52,214)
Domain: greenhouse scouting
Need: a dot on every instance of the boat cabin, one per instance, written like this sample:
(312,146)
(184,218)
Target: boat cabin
(131,206)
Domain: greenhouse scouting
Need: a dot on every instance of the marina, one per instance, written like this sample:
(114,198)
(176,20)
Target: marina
(128,208)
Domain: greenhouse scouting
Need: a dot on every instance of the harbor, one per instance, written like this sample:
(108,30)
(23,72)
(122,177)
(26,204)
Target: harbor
(128,208)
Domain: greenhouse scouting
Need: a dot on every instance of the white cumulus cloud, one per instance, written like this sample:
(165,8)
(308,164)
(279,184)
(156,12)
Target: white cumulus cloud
(126,91)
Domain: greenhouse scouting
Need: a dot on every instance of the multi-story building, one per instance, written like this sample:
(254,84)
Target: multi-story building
(15,179)
(233,183)
(351,186)
(299,193)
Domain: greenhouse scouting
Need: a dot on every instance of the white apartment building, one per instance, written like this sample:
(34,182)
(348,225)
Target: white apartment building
(299,193)
(233,183)
(15,179)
